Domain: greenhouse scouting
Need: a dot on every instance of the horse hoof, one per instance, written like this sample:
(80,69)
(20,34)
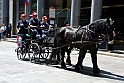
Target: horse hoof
(63,66)
(68,63)
(77,68)
(81,67)
(97,74)
(96,70)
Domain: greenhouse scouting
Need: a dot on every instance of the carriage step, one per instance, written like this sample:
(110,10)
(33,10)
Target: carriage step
(77,42)
(80,42)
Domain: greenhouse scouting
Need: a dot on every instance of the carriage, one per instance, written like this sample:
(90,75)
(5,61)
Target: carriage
(41,48)
(66,38)
(34,49)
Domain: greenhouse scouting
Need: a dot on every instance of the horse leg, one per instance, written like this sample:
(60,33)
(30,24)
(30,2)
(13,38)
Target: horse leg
(62,59)
(51,56)
(82,53)
(54,57)
(68,60)
(58,56)
(93,52)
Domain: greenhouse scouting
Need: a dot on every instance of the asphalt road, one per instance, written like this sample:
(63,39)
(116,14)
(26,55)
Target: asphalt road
(13,70)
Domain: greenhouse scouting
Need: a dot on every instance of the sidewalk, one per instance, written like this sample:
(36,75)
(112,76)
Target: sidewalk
(11,40)
(115,53)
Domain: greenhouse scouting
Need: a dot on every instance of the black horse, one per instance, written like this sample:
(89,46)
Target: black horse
(84,38)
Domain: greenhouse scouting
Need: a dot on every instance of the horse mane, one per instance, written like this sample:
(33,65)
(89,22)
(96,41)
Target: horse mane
(98,25)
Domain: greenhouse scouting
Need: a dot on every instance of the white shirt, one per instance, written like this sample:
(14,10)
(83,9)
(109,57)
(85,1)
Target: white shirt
(3,28)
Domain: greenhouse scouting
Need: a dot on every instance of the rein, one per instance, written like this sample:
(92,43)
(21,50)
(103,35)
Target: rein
(103,37)
(60,47)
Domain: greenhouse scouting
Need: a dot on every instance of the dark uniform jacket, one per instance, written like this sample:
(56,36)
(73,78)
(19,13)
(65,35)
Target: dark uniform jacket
(22,27)
(34,22)
(46,25)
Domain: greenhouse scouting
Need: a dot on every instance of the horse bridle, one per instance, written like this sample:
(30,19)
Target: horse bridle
(101,35)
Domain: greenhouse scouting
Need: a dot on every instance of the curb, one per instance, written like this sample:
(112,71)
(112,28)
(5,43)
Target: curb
(11,41)
(111,54)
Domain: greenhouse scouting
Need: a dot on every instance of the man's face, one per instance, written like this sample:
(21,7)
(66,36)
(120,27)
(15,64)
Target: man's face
(44,20)
(23,17)
(35,16)
(3,24)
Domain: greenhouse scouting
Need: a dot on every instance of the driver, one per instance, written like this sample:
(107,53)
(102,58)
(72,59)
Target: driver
(22,26)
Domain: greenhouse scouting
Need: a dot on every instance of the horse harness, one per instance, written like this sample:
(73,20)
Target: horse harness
(89,36)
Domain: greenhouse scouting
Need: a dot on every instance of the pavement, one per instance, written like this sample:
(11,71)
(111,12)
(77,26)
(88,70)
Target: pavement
(115,53)
(13,70)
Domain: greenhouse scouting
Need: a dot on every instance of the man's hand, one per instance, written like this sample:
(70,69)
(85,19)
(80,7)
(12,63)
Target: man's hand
(17,30)
(31,26)
(42,26)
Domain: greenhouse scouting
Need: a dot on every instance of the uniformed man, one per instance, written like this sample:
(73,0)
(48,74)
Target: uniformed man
(34,24)
(46,28)
(22,26)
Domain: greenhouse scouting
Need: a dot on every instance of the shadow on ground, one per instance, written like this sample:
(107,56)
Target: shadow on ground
(86,70)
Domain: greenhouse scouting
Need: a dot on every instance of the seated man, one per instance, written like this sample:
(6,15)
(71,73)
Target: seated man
(34,24)
(45,27)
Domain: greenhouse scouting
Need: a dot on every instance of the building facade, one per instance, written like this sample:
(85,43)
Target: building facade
(108,8)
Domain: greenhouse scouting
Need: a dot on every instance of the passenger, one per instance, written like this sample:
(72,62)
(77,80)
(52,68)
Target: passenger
(34,24)
(46,28)
(22,26)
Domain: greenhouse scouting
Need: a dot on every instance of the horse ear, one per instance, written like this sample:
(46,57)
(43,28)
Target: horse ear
(110,18)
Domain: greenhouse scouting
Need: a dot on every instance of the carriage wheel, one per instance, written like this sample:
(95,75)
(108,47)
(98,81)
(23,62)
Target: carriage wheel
(44,52)
(21,53)
(34,51)
(46,48)
(26,50)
